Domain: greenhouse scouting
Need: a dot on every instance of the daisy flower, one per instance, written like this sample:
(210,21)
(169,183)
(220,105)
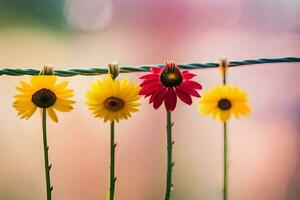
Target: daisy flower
(224,101)
(168,83)
(43,92)
(113,100)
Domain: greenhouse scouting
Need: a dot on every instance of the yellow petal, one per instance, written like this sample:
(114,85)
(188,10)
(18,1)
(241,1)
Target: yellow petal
(31,112)
(210,99)
(103,89)
(61,86)
(207,108)
(52,114)
(62,107)
(224,115)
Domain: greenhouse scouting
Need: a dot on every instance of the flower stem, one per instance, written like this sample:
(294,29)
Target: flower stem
(225,179)
(170,163)
(225,191)
(224,77)
(112,161)
(46,149)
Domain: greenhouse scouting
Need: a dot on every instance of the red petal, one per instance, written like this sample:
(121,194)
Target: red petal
(152,98)
(155,70)
(151,85)
(151,89)
(183,96)
(150,76)
(153,95)
(189,90)
(149,81)
(171,99)
(159,98)
(188,75)
(192,84)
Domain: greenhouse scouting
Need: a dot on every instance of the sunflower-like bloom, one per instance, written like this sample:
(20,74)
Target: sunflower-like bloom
(113,100)
(43,92)
(223,101)
(168,83)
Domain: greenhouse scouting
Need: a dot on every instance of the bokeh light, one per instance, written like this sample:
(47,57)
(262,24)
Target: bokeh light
(88,15)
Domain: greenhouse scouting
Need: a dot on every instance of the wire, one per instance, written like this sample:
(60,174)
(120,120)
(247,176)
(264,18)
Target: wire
(143,68)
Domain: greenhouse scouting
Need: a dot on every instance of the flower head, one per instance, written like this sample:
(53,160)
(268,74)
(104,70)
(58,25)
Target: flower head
(113,100)
(223,101)
(43,92)
(113,69)
(168,83)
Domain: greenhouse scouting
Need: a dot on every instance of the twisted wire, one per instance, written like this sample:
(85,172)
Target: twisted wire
(143,68)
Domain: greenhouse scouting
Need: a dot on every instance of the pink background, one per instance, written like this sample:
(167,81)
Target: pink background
(264,148)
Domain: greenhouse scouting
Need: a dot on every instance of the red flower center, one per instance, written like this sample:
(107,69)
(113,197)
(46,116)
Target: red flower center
(171,76)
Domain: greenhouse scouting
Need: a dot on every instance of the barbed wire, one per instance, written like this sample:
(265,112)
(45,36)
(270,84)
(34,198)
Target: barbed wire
(143,68)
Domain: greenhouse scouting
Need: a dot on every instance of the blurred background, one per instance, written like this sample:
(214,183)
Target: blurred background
(264,148)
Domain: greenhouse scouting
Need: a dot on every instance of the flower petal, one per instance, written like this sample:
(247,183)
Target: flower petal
(193,84)
(189,90)
(151,89)
(100,91)
(159,98)
(171,99)
(152,98)
(149,82)
(156,70)
(30,112)
(224,115)
(238,98)
(52,114)
(187,75)
(150,76)
(183,96)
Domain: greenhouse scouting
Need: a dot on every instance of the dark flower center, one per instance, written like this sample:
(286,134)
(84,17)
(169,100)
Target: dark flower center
(113,103)
(171,75)
(224,104)
(44,98)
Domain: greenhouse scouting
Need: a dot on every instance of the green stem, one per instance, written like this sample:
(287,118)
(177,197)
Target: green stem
(112,161)
(170,163)
(225,77)
(225,179)
(225,192)
(46,157)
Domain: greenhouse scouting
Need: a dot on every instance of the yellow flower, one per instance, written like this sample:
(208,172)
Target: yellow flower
(223,101)
(43,92)
(113,100)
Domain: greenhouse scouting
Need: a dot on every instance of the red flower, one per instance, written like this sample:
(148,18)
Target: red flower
(168,83)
